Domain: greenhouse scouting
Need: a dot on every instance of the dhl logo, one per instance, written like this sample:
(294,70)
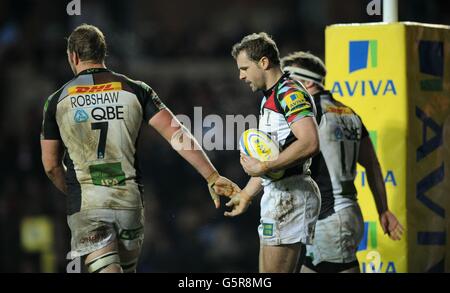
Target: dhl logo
(105,87)
(339,110)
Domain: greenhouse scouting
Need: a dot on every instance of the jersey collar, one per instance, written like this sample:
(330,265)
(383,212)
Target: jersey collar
(269,91)
(323,94)
(93,70)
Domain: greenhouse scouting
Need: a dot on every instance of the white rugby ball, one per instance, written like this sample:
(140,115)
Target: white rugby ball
(259,145)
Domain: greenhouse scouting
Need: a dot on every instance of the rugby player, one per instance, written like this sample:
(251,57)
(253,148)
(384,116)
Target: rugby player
(290,205)
(93,123)
(344,141)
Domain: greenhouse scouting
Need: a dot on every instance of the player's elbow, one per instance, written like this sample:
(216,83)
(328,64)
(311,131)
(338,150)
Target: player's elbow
(50,167)
(50,171)
(313,147)
(307,134)
(316,148)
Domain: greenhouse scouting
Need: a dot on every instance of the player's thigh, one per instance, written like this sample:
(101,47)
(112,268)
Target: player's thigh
(104,260)
(280,258)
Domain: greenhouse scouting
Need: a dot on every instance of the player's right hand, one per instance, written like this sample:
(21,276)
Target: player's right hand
(239,204)
(391,225)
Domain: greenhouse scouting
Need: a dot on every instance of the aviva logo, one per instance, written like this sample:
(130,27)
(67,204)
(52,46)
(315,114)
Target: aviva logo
(370,237)
(363,55)
(373,262)
(360,54)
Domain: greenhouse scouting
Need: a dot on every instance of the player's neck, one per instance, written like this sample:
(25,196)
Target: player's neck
(82,66)
(314,91)
(273,76)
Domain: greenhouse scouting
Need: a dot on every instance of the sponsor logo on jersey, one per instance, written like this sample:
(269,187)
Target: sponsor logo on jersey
(131,234)
(109,174)
(158,103)
(80,116)
(295,100)
(267,229)
(339,133)
(105,87)
(339,110)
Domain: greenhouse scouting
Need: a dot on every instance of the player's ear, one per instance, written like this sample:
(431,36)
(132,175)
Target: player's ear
(264,63)
(71,56)
(308,84)
(76,58)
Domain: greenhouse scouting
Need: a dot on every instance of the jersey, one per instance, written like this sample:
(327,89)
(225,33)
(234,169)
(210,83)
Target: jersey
(282,105)
(97,115)
(334,168)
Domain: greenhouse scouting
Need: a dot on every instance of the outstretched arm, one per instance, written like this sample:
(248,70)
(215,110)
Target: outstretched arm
(187,146)
(368,159)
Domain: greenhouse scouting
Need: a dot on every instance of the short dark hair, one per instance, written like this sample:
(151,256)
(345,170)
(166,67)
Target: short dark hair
(305,60)
(88,42)
(257,46)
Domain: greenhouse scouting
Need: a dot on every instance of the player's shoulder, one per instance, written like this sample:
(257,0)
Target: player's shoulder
(289,83)
(134,84)
(60,90)
(143,92)
(53,98)
(290,86)
(330,104)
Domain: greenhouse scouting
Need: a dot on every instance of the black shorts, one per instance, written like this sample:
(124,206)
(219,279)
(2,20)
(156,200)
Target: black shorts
(329,267)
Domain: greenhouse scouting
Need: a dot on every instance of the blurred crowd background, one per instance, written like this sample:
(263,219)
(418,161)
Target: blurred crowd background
(181,49)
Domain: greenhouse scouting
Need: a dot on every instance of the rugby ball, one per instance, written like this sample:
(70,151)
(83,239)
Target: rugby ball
(259,145)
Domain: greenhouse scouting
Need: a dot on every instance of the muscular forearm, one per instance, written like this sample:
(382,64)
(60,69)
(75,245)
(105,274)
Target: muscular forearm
(298,151)
(198,160)
(188,147)
(377,187)
(305,146)
(57,175)
(253,186)
(182,141)
(368,159)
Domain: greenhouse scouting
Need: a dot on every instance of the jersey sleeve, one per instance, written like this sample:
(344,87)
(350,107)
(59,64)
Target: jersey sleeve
(364,131)
(50,129)
(151,103)
(296,105)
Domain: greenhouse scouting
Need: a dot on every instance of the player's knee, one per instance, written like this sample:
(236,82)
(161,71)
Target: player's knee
(112,268)
(105,263)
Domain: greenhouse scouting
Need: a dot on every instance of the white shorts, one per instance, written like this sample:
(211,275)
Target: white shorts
(289,211)
(337,237)
(96,228)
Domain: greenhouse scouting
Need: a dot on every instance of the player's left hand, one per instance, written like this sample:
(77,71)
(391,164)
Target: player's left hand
(253,167)
(391,225)
(219,185)
(238,203)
